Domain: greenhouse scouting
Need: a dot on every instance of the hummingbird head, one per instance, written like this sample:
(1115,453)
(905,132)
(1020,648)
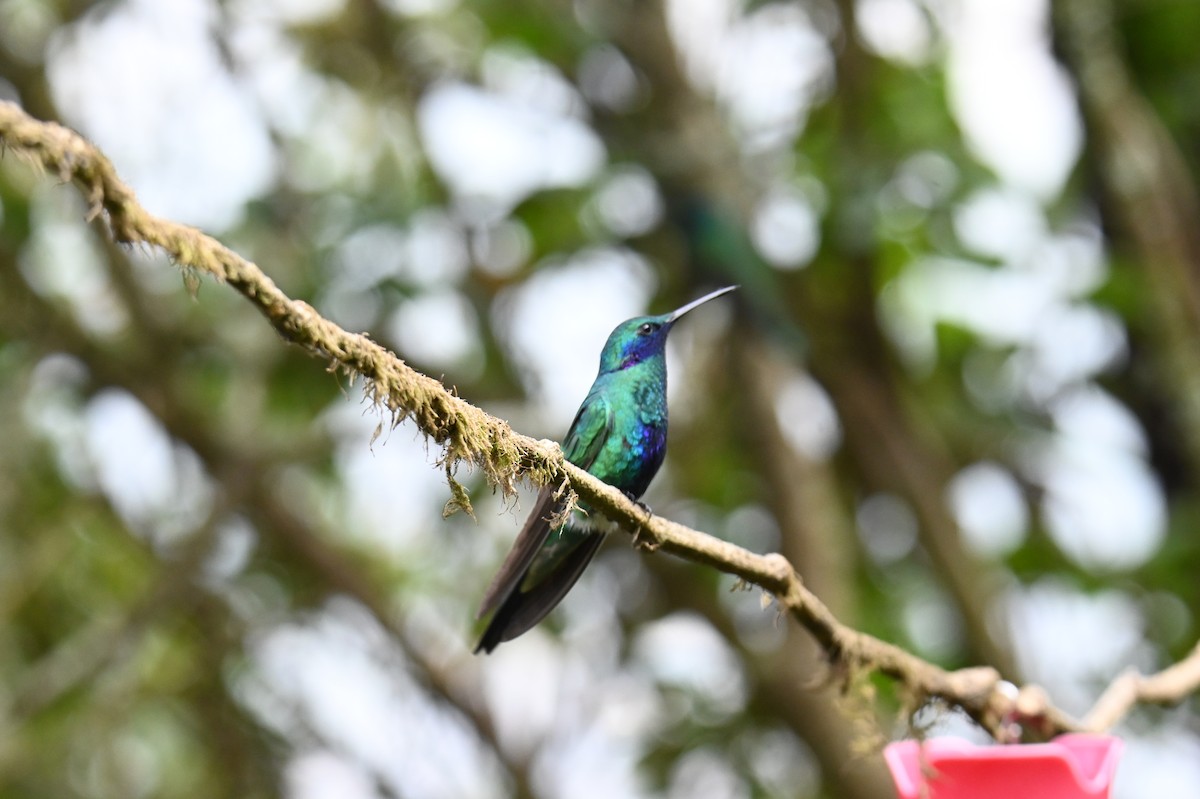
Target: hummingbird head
(644,337)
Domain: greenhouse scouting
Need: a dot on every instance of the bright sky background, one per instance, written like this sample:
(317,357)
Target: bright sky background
(195,144)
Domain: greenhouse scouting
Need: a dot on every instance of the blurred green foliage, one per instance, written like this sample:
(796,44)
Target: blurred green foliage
(827,418)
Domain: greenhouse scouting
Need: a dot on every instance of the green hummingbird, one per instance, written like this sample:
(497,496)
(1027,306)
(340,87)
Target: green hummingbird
(620,436)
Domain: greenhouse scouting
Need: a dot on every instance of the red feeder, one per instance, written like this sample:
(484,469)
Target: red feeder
(1069,767)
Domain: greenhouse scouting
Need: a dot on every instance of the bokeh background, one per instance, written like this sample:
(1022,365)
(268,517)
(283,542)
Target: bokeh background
(959,389)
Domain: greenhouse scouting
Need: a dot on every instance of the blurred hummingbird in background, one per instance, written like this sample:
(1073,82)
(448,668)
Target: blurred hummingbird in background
(620,436)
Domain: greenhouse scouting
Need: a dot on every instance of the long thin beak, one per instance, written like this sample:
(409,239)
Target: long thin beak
(678,312)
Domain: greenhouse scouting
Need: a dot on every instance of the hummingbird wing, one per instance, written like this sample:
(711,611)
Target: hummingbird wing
(531,538)
(538,571)
(530,601)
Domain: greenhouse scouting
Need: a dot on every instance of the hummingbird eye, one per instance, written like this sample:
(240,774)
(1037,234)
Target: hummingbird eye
(646,328)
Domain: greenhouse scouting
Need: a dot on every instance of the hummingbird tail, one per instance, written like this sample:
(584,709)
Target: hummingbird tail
(522,609)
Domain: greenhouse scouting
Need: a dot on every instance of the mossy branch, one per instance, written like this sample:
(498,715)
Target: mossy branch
(468,434)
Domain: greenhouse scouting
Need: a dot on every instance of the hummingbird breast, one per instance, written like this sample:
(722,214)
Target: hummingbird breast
(637,444)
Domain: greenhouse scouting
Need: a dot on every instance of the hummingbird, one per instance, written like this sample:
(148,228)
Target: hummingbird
(620,436)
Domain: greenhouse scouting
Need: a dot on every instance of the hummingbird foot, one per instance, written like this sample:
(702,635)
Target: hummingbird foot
(639,503)
(644,541)
(640,539)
